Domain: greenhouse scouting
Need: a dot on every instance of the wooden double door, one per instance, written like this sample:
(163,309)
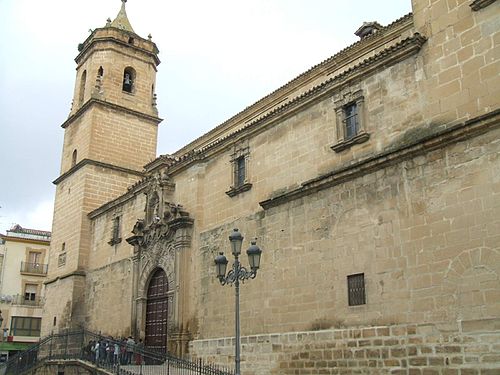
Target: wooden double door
(157,312)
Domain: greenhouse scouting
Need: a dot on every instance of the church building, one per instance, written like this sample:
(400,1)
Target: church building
(371,183)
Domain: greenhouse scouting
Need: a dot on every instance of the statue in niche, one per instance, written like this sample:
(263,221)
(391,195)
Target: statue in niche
(153,212)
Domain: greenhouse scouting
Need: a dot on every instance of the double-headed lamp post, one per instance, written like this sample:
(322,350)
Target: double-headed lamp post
(237,273)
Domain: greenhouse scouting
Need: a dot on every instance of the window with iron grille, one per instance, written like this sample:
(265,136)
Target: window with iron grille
(351,127)
(116,238)
(356,289)
(239,171)
(351,122)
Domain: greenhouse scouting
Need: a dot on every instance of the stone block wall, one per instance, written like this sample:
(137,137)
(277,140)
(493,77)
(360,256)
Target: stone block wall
(406,349)
(424,232)
(460,58)
(108,300)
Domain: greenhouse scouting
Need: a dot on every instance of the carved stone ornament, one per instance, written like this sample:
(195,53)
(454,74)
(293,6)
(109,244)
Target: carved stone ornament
(164,221)
(159,239)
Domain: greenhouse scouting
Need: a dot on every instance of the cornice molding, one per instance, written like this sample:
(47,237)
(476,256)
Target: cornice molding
(239,189)
(120,52)
(133,191)
(385,58)
(116,107)
(348,143)
(440,139)
(91,40)
(25,240)
(78,273)
(85,162)
(341,58)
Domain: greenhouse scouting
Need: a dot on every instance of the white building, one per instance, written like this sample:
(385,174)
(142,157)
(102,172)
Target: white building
(23,269)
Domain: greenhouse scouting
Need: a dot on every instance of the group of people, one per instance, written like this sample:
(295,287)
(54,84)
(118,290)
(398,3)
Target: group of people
(112,352)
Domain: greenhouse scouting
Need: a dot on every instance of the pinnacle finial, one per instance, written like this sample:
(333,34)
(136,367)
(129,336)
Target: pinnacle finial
(121,21)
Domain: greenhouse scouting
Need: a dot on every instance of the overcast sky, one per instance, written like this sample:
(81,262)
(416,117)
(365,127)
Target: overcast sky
(217,57)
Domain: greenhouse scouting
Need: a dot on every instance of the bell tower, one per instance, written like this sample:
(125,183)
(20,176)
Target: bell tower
(110,134)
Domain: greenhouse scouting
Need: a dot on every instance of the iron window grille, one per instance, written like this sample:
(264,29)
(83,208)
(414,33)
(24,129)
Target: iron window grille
(356,289)
(351,120)
(116,235)
(239,171)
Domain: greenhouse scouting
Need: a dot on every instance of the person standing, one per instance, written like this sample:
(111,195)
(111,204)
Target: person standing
(116,353)
(97,350)
(138,353)
(130,349)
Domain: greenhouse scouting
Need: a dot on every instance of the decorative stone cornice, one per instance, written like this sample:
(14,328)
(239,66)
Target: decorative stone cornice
(342,58)
(480,4)
(425,144)
(239,189)
(344,145)
(170,226)
(385,58)
(134,190)
(77,273)
(95,101)
(95,38)
(96,163)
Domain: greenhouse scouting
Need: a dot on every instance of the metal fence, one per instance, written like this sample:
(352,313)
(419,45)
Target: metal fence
(37,268)
(114,356)
(22,300)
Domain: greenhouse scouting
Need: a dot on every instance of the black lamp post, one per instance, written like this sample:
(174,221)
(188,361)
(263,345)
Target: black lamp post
(1,321)
(235,274)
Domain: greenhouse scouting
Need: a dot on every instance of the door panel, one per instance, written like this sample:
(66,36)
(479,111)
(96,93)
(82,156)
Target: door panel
(157,312)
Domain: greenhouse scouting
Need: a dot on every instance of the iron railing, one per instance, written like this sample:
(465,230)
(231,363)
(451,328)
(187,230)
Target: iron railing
(130,360)
(37,268)
(19,299)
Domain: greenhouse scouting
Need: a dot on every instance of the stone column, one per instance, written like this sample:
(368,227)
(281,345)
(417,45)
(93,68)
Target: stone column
(136,267)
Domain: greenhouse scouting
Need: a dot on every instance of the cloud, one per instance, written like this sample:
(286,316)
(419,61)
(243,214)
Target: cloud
(40,217)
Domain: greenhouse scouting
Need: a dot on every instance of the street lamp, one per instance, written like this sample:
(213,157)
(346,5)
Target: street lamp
(1,322)
(237,273)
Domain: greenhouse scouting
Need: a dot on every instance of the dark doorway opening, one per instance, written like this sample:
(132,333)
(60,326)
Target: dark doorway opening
(157,312)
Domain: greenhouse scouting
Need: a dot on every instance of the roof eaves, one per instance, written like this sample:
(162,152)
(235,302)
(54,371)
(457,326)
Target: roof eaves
(325,62)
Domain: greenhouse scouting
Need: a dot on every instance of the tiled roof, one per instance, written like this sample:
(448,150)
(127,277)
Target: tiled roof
(20,232)
(413,42)
(296,80)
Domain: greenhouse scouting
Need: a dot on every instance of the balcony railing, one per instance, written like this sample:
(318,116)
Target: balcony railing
(36,268)
(23,300)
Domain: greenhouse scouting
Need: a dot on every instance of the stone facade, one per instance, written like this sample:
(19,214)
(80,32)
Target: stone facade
(409,200)
(394,349)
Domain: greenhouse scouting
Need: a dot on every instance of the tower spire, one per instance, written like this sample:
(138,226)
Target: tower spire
(121,21)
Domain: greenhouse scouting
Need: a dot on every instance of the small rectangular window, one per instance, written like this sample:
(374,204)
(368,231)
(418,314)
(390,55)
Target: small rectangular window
(356,289)
(239,171)
(115,239)
(30,292)
(351,122)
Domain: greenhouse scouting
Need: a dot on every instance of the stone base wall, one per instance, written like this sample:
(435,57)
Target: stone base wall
(68,367)
(471,347)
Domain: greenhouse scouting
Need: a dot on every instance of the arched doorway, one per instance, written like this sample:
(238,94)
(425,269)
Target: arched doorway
(157,311)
